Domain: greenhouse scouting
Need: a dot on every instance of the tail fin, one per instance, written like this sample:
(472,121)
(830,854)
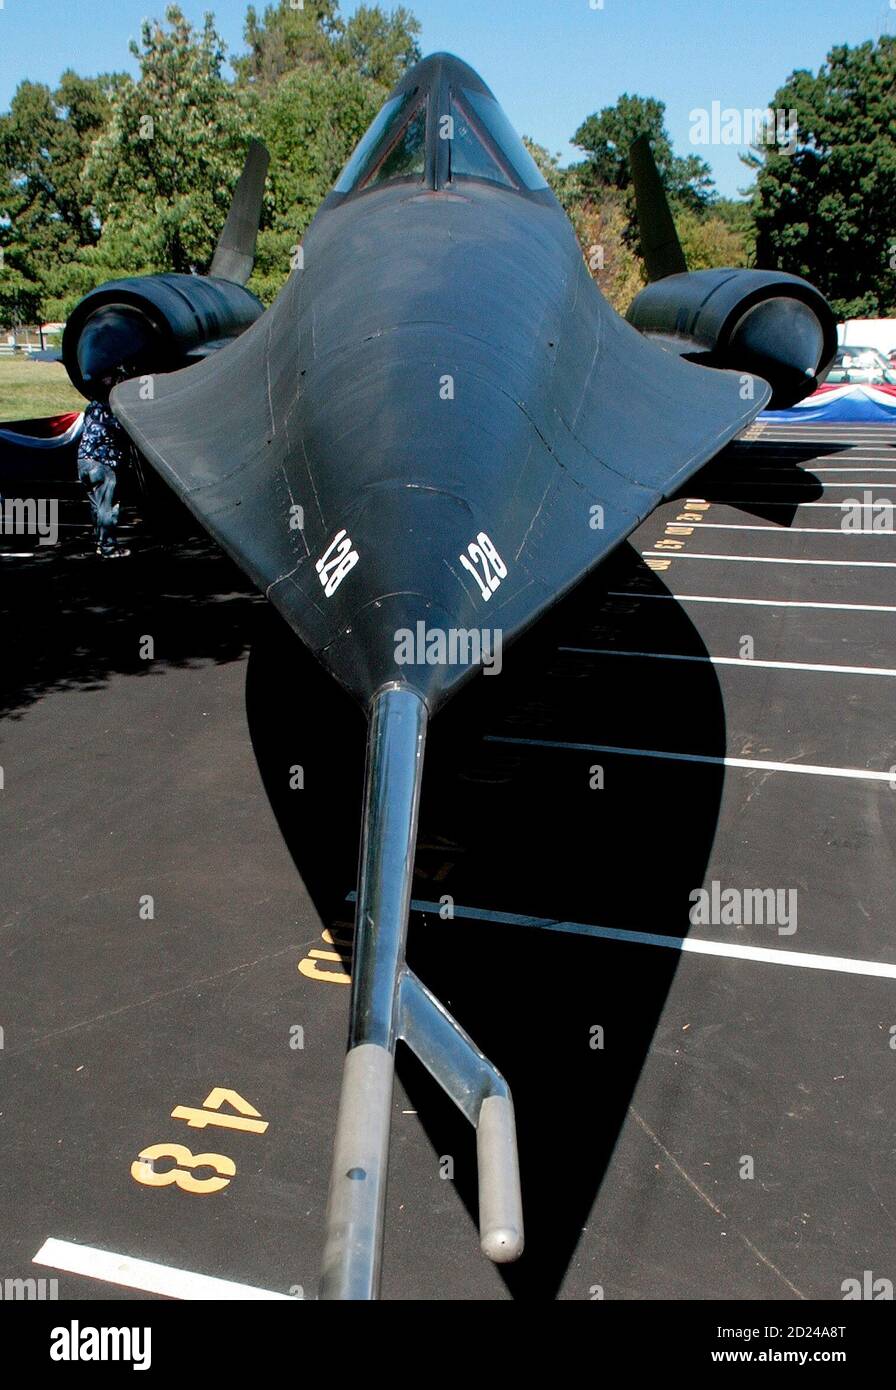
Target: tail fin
(659,240)
(235,252)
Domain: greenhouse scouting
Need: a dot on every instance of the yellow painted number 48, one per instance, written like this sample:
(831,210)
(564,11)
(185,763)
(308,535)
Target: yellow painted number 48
(182,1174)
(143,1170)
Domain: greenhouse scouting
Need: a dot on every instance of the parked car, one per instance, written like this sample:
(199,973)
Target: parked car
(861,364)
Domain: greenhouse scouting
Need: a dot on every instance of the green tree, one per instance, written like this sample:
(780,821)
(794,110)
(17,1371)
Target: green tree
(375,45)
(46,200)
(164,167)
(317,83)
(607,136)
(824,205)
(599,197)
(711,240)
(381,46)
(310,121)
(21,297)
(737,214)
(564,182)
(600,224)
(287,37)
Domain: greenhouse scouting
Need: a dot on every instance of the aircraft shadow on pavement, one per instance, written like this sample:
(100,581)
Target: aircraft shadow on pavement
(71,620)
(519,828)
(741,473)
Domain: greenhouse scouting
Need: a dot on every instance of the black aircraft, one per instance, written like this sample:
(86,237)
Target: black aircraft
(435,431)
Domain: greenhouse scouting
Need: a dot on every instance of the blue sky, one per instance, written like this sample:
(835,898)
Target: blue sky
(550,62)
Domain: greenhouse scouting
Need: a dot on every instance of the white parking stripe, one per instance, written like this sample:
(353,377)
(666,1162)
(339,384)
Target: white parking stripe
(769,559)
(880,440)
(762,502)
(845,433)
(786,530)
(847,444)
(809,467)
(760,765)
(753,602)
(802,464)
(769,955)
(132,1273)
(795,448)
(802,459)
(737,661)
(748,502)
(798,428)
(727,480)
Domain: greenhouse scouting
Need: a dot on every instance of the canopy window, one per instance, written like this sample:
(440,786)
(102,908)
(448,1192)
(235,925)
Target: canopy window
(394,147)
(484,144)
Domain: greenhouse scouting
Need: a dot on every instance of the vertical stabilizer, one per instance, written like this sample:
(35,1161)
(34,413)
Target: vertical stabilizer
(660,246)
(235,252)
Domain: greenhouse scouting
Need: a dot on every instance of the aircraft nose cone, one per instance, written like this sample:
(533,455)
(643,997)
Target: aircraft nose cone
(417,616)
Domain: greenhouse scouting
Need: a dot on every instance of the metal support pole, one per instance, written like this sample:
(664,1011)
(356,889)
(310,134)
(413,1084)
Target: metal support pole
(355,1210)
(389,1003)
(480,1092)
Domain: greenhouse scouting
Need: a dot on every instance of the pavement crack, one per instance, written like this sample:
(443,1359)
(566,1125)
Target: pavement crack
(143,1003)
(713,1206)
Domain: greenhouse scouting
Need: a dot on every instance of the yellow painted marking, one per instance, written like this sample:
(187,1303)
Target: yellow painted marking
(310,969)
(340,936)
(220,1095)
(198,1119)
(143,1172)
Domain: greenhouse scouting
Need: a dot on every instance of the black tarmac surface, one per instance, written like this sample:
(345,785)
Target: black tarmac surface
(176,912)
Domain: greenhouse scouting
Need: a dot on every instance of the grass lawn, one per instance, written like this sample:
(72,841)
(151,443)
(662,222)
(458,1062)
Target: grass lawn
(32,389)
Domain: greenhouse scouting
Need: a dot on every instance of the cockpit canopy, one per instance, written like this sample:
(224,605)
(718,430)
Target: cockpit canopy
(394,146)
(441,127)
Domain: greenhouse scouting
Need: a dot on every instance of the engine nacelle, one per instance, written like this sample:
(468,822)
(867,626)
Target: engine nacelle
(152,323)
(760,322)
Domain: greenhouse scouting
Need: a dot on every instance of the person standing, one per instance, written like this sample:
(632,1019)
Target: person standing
(103,450)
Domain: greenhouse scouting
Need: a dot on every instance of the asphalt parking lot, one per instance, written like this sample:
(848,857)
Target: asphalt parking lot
(712,706)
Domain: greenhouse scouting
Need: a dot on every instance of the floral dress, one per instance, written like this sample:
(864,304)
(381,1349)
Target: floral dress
(104,447)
